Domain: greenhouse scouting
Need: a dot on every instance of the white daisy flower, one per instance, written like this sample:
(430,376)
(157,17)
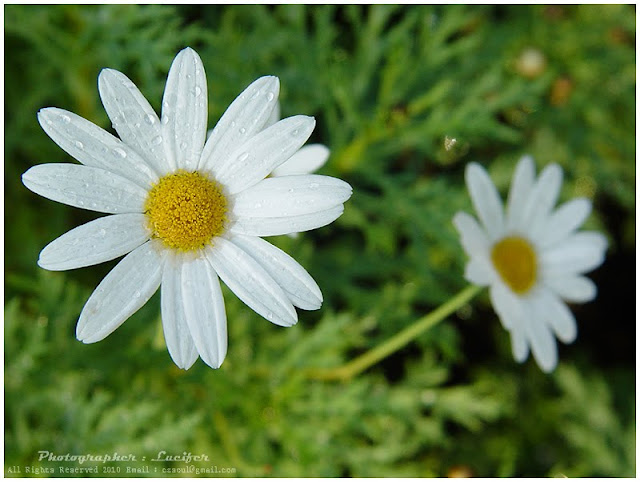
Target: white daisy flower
(531,257)
(186,212)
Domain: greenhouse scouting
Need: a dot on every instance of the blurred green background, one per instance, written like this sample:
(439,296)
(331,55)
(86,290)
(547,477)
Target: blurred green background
(390,87)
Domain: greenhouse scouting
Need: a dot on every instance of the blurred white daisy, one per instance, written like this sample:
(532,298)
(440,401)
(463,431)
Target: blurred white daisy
(185,211)
(531,257)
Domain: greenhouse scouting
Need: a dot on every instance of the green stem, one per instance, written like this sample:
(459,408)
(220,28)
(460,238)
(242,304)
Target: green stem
(393,344)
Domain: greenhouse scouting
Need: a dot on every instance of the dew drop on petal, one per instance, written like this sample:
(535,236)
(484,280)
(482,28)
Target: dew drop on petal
(314,185)
(158,139)
(149,119)
(136,294)
(165,119)
(120,152)
(197,91)
(242,130)
(257,205)
(183,146)
(270,96)
(102,232)
(295,132)
(66,119)
(243,157)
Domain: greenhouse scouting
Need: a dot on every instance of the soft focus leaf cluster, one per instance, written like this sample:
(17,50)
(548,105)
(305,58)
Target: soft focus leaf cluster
(404,96)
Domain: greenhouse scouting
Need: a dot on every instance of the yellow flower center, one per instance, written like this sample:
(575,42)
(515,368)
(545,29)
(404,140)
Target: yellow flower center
(515,261)
(186,210)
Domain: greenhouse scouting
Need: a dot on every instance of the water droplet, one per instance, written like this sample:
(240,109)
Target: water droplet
(120,152)
(270,96)
(102,232)
(165,119)
(150,119)
(183,146)
(197,91)
(242,157)
(157,140)
(314,185)
(79,144)
(80,203)
(242,130)
(295,132)
(291,190)
(136,294)
(137,125)
(233,123)
(257,205)
(66,119)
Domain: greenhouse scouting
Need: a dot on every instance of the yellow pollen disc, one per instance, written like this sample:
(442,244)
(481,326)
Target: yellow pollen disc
(186,210)
(515,260)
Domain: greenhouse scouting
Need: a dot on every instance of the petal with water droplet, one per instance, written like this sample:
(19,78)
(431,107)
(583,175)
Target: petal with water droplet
(85,187)
(265,151)
(112,302)
(250,111)
(299,286)
(132,116)
(185,110)
(92,146)
(95,242)
(174,324)
(251,283)
(293,195)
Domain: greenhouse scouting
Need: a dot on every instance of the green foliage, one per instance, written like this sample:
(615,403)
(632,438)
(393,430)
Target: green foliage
(390,87)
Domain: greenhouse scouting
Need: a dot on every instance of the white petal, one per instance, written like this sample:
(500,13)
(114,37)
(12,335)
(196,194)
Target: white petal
(251,283)
(519,344)
(184,111)
(566,219)
(578,253)
(479,271)
(307,160)
(291,196)
(95,147)
(486,200)
(204,310)
(95,242)
(255,159)
(285,225)
(121,293)
(474,240)
(85,187)
(274,117)
(572,288)
(179,342)
(557,315)
(521,185)
(543,344)
(542,198)
(245,117)
(299,286)
(133,118)
(509,307)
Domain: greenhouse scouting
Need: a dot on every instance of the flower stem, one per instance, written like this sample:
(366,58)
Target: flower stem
(399,340)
